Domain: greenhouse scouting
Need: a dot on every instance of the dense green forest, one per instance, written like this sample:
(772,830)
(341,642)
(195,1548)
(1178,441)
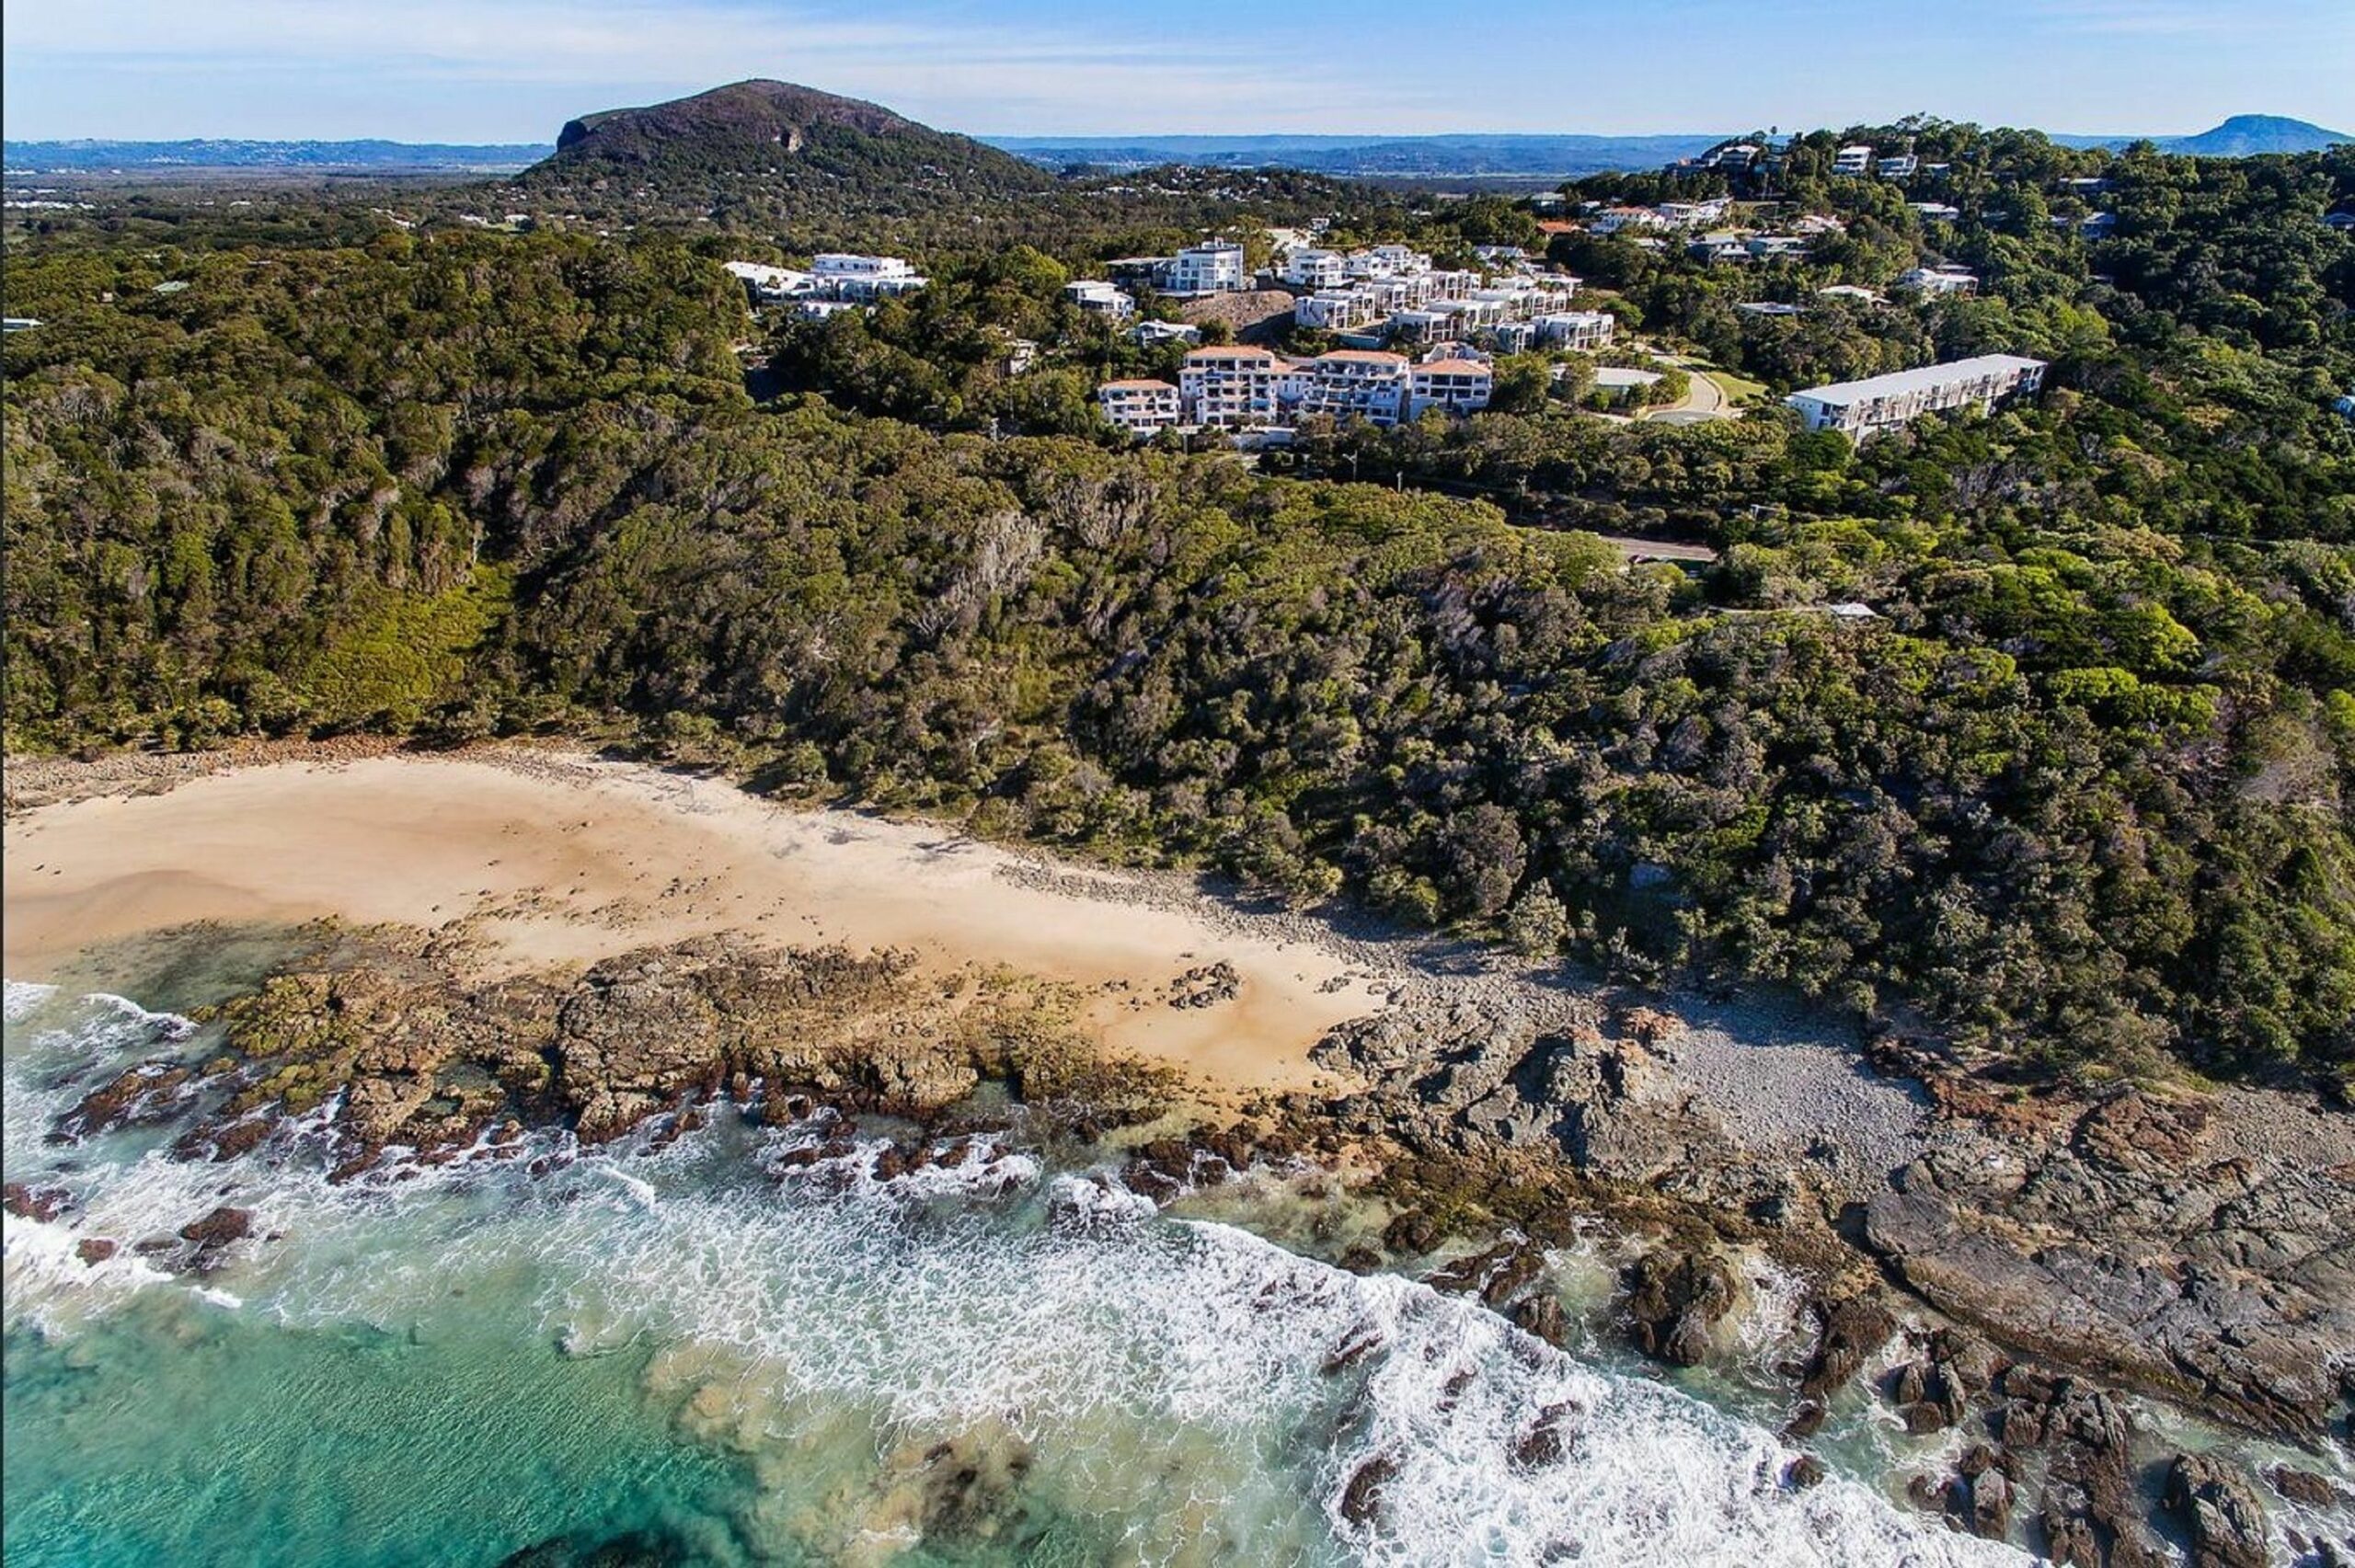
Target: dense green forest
(2078,789)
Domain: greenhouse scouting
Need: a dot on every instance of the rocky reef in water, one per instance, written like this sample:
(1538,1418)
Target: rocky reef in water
(2067,1246)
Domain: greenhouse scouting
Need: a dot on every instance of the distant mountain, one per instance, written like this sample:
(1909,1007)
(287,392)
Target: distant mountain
(2246,136)
(763,131)
(374,156)
(1459,155)
(2242,136)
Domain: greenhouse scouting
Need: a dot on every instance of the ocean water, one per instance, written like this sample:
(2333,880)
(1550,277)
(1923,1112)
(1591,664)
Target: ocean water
(699,1354)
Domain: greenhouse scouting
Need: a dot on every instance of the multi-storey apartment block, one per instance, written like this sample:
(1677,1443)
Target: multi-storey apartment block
(1230,387)
(1357,383)
(1140,406)
(1460,386)
(1867,407)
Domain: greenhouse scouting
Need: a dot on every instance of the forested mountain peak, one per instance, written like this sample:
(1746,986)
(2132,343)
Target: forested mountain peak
(2246,136)
(763,128)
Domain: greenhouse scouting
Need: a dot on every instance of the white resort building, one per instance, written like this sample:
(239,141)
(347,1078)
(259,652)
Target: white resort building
(1138,406)
(1460,386)
(1877,403)
(1230,387)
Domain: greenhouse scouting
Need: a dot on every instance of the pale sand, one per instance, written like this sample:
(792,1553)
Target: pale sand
(557,862)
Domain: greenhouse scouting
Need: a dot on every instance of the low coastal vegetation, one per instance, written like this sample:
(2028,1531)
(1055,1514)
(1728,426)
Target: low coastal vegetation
(2075,789)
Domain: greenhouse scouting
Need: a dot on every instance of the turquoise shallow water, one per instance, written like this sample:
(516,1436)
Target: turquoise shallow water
(710,1357)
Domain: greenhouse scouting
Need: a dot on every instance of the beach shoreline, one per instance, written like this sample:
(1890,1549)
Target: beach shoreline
(543,860)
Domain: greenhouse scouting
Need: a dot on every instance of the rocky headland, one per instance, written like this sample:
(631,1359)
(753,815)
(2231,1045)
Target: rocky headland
(2001,1262)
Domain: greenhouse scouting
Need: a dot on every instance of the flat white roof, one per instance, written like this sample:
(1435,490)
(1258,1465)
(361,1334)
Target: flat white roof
(1920,380)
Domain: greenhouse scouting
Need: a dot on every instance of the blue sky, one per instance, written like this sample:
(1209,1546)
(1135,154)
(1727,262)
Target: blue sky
(514,70)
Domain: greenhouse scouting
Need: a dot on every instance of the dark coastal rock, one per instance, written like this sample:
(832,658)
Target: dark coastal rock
(2088,1509)
(218,1228)
(141,1095)
(1206,984)
(1991,1504)
(2219,1509)
(633,1549)
(95,1250)
(1849,1333)
(1549,1440)
(1542,1315)
(1806,1421)
(2108,1243)
(1675,1301)
(2303,1486)
(35,1203)
(1804,1471)
(1361,1498)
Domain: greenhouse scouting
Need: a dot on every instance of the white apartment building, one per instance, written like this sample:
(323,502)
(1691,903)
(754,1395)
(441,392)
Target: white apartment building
(1230,387)
(1940,280)
(1856,160)
(768,284)
(863,277)
(1612,219)
(1579,330)
(1864,408)
(1140,406)
(1388,261)
(1460,386)
(1334,310)
(1357,384)
(1213,266)
(1316,270)
(1097,297)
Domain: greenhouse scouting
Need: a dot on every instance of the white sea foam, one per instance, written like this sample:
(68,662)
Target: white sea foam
(1215,1392)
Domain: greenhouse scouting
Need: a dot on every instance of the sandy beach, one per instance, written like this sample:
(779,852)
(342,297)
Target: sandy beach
(553,860)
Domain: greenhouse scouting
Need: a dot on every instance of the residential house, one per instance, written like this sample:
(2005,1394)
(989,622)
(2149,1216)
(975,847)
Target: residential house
(1149,333)
(1877,403)
(1937,212)
(1097,297)
(1140,406)
(1769,247)
(1770,308)
(1903,165)
(1940,280)
(1856,160)
(1854,292)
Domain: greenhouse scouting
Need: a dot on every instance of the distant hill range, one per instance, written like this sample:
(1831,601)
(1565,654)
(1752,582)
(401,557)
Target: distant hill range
(327,157)
(777,127)
(776,131)
(1462,156)
(2242,136)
